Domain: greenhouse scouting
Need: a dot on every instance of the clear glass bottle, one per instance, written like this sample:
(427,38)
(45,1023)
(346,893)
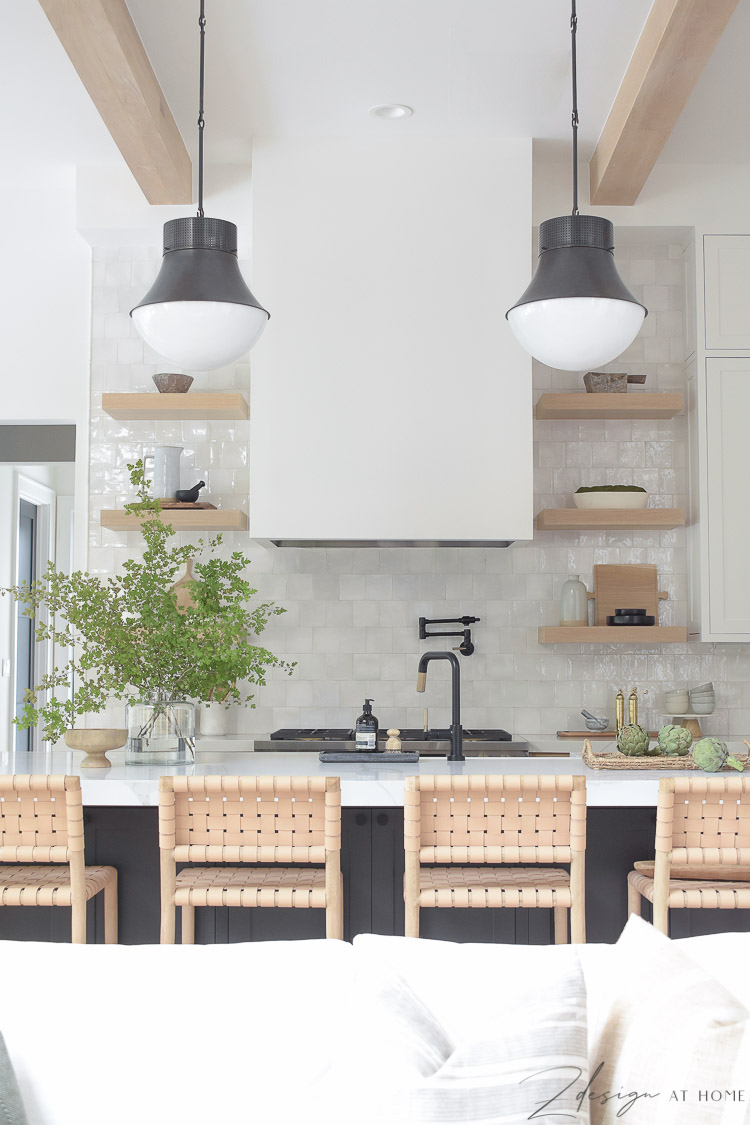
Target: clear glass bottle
(574,602)
(161,732)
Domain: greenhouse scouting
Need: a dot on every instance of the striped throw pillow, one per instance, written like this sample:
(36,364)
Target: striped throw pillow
(533,1068)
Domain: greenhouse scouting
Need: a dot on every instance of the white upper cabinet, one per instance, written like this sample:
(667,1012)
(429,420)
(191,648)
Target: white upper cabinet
(727,292)
(728,497)
(718,399)
(389,399)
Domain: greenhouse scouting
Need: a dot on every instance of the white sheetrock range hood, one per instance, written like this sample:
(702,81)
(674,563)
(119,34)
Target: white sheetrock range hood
(390,403)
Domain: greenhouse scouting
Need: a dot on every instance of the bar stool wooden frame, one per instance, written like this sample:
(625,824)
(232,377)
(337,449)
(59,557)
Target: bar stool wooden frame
(41,823)
(495,820)
(249,820)
(702,849)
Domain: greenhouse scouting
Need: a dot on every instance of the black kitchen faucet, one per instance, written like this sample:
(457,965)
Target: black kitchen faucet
(466,647)
(456,751)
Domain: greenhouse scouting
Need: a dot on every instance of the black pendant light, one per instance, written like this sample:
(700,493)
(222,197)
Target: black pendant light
(577,313)
(199,313)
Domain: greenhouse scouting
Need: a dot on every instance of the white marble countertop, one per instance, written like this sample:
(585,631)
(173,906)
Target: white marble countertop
(362,784)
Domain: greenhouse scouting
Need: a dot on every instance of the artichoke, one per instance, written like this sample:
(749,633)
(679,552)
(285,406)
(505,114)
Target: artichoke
(633,741)
(711,755)
(674,741)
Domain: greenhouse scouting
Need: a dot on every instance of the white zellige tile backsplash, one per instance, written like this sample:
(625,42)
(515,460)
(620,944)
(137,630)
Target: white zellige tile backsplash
(351,620)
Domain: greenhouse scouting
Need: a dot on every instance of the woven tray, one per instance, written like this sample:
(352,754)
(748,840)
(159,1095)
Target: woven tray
(619,761)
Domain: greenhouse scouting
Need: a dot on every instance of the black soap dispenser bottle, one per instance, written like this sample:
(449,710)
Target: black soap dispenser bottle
(366,729)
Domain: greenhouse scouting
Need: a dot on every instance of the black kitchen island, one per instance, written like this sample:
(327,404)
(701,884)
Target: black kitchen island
(122,831)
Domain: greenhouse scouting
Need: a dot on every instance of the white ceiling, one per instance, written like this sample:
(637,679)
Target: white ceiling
(298,68)
(715,125)
(470,67)
(49,119)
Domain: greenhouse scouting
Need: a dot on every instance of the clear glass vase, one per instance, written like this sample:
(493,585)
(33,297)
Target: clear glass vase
(161,732)
(574,602)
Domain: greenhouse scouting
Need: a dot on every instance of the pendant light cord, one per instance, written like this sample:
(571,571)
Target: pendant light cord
(202,26)
(574,121)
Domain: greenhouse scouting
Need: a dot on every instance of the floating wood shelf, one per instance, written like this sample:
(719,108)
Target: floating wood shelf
(610,519)
(206,406)
(612,634)
(623,406)
(206,519)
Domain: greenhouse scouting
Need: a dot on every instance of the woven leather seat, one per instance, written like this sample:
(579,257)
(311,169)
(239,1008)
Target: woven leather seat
(41,835)
(702,849)
(249,820)
(259,886)
(494,887)
(47,886)
(492,821)
(697,894)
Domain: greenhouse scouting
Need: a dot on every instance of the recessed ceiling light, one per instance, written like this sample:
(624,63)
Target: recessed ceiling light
(391,111)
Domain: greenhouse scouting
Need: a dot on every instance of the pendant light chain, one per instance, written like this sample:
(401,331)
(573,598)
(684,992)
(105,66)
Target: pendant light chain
(574,122)
(202,26)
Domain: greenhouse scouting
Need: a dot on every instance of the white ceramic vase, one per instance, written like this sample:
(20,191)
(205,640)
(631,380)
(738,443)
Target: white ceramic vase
(215,720)
(166,471)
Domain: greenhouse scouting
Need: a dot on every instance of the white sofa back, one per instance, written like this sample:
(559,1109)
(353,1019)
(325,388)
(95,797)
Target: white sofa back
(263,1032)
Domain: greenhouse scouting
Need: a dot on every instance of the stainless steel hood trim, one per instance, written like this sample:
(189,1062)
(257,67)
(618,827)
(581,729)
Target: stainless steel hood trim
(392,542)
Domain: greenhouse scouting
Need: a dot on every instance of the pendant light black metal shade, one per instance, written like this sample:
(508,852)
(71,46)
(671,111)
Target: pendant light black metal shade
(576,259)
(200,264)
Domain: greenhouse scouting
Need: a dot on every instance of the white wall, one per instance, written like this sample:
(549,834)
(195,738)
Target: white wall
(709,197)
(111,209)
(45,311)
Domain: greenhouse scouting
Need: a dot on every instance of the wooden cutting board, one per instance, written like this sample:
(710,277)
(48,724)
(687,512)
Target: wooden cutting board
(183,588)
(625,587)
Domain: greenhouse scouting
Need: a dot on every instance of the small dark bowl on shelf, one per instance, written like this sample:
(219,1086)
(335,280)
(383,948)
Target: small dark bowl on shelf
(630,612)
(631,619)
(172,383)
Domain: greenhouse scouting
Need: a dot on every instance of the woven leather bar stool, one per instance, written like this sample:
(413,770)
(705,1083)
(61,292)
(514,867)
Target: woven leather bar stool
(244,820)
(41,823)
(702,849)
(488,821)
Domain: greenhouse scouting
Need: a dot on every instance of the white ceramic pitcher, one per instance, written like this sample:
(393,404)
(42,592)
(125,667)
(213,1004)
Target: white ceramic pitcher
(166,460)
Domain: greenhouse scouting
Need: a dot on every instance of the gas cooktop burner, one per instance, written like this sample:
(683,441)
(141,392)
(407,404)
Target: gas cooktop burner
(340,734)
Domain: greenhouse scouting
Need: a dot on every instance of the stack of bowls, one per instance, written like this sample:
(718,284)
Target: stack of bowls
(702,699)
(677,702)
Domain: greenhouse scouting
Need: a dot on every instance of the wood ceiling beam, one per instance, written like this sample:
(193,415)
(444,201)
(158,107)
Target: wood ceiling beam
(677,41)
(101,41)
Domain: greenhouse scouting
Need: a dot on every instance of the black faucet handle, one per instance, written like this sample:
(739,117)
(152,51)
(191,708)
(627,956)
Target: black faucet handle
(466,647)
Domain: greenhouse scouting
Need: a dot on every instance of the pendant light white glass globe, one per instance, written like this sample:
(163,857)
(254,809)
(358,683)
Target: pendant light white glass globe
(576,333)
(199,335)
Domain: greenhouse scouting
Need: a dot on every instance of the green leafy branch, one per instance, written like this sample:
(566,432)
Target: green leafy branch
(129,638)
